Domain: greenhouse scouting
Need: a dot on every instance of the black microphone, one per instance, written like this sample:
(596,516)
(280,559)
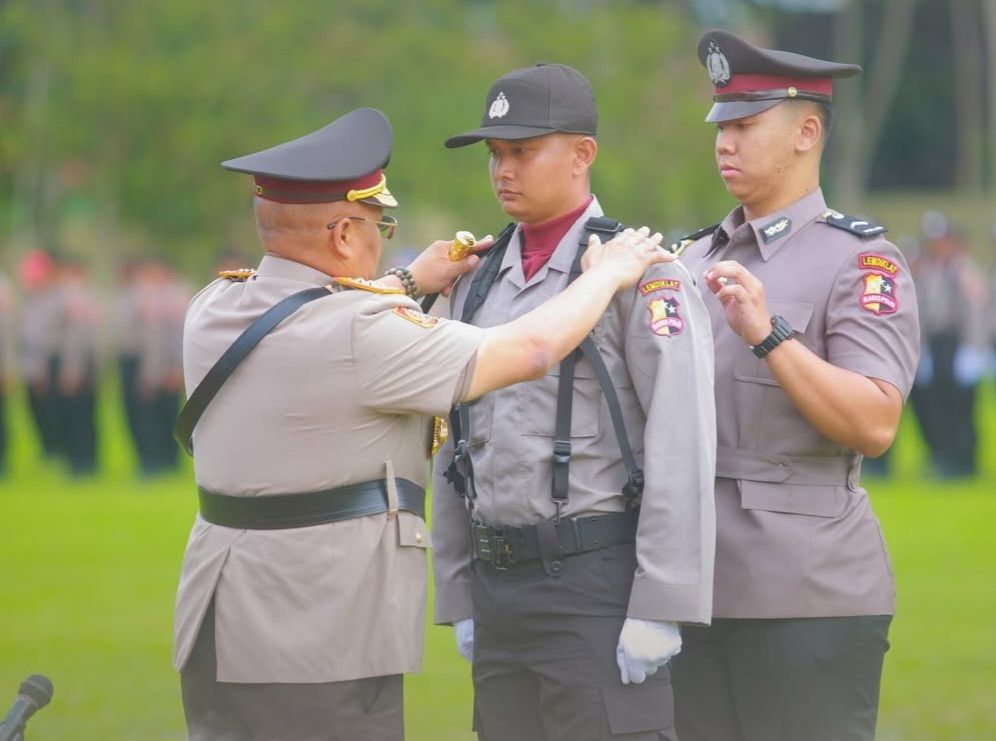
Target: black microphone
(34,694)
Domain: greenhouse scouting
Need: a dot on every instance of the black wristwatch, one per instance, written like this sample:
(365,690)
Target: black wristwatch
(781,330)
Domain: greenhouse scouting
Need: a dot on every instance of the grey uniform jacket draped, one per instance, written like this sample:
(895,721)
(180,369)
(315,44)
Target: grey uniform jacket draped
(657,345)
(337,394)
(796,535)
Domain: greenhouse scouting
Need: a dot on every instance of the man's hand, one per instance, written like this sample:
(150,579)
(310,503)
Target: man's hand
(625,257)
(434,272)
(742,297)
(464,632)
(645,646)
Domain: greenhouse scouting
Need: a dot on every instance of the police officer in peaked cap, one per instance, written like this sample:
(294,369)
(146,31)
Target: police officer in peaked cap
(573,515)
(313,389)
(816,338)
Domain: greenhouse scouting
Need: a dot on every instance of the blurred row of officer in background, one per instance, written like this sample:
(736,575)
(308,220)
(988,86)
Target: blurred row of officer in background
(55,331)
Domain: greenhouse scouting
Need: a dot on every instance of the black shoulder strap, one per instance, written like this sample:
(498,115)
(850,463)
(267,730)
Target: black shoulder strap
(460,473)
(230,359)
(605,228)
(689,239)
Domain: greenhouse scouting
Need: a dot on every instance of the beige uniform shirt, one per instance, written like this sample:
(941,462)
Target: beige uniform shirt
(341,392)
(796,535)
(656,343)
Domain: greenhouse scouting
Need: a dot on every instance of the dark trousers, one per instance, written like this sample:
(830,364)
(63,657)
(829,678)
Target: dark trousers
(43,401)
(359,710)
(79,429)
(945,410)
(806,679)
(545,654)
(128,377)
(157,411)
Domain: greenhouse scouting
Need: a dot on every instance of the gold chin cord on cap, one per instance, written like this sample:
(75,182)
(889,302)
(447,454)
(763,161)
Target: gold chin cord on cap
(461,245)
(359,195)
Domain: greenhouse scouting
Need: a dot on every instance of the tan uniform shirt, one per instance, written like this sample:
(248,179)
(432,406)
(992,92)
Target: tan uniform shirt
(657,345)
(796,535)
(338,393)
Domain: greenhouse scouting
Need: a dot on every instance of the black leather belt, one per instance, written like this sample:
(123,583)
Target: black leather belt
(283,511)
(506,546)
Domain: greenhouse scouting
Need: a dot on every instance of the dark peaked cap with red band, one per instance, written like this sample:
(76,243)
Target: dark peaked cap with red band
(749,79)
(343,161)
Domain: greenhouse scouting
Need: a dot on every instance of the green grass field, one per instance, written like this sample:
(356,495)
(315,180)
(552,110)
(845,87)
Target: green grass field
(89,571)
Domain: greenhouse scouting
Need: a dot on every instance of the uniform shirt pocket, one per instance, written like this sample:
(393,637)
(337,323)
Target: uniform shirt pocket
(536,403)
(755,370)
(796,499)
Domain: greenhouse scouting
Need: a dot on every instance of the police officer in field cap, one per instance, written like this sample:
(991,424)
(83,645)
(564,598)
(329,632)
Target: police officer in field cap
(587,493)
(815,324)
(313,389)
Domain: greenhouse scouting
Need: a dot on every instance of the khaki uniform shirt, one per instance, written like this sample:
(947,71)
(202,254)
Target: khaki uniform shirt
(657,345)
(796,535)
(40,332)
(341,392)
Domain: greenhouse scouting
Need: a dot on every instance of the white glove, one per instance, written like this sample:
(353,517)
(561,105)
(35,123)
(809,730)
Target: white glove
(644,647)
(969,365)
(464,632)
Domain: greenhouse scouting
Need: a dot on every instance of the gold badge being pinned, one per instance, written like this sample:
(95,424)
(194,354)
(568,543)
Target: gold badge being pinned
(461,245)
(417,317)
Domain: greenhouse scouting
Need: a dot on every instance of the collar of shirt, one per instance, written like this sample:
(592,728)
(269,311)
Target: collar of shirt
(272,266)
(562,256)
(540,240)
(788,221)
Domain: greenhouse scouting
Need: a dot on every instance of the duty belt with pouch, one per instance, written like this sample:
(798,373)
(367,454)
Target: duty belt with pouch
(551,541)
(460,473)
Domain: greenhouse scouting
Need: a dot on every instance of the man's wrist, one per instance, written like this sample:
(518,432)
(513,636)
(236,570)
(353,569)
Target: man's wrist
(781,330)
(407,281)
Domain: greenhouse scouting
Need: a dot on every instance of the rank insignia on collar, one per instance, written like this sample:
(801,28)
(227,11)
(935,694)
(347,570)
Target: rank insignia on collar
(665,317)
(660,284)
(362,284)
(777,228)
(879,295)
(416,317)
(242,274)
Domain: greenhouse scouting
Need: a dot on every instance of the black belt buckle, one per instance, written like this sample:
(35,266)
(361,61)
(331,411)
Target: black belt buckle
(490,545)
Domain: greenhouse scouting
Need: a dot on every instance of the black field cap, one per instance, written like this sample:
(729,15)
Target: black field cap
(749,79)
(343,161)
(532,102)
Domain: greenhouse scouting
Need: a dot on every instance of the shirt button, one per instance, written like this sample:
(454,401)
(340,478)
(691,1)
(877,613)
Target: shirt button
(418,537)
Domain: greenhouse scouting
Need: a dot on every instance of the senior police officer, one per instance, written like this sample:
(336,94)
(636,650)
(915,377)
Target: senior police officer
(588,492)
(815,324)
(302,593)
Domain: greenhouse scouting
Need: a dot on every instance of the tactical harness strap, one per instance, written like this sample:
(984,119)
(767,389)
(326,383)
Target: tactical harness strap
(460,471)
(211,384)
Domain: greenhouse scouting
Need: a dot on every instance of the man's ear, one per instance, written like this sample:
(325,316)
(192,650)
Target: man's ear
(810,134)
(340,239)
(585,149)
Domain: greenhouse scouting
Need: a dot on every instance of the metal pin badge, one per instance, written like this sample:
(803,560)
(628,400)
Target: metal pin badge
(461,245)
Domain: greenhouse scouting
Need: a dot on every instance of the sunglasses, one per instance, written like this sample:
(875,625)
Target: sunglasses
(386,226)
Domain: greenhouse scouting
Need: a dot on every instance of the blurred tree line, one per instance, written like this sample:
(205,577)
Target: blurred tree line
(116,115)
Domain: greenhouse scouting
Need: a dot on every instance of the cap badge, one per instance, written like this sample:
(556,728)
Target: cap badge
(718,65)
(499,107)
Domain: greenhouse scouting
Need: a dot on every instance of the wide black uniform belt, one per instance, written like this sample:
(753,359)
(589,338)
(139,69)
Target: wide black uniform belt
(506,546)
(283,511)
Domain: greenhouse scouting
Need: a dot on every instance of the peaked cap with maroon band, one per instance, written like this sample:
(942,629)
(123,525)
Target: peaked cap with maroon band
(343,161)
(749,79)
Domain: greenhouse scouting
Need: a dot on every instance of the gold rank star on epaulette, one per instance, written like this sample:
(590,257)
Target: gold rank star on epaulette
(242,274)
(362,284)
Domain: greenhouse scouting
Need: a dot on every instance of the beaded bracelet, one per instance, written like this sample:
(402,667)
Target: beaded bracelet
(407,281)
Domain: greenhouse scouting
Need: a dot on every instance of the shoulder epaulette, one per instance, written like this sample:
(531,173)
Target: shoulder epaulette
(362,284)
(242,274)
(859,227)
(685,242)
